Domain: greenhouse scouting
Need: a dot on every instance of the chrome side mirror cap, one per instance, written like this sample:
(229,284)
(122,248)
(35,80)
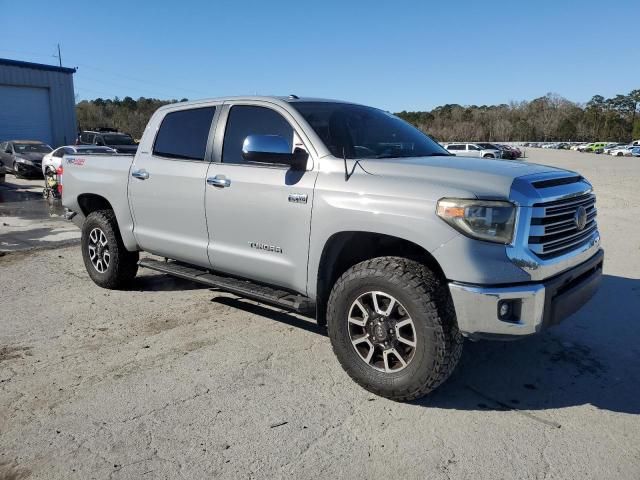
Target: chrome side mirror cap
(273,149)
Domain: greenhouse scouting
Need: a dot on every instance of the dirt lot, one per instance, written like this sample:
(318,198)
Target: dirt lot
(170,380)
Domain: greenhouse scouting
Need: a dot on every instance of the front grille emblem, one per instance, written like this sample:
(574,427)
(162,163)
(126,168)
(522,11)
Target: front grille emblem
(580,218)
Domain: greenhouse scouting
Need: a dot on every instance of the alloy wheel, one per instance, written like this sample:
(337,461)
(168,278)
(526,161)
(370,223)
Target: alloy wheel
(382,332)
(99,250)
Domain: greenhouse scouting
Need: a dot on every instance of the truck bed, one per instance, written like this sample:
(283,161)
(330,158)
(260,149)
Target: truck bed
(98,176)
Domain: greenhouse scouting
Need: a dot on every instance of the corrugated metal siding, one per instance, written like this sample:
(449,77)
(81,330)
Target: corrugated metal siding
(61,97)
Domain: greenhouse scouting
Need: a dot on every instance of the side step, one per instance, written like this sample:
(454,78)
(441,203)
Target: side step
(243,288)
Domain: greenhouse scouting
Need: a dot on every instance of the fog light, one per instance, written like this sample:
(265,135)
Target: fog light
(505,309)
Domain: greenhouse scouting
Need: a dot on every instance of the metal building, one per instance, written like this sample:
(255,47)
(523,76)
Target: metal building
(37,102)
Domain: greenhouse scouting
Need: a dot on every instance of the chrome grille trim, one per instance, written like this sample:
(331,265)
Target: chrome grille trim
(553,230)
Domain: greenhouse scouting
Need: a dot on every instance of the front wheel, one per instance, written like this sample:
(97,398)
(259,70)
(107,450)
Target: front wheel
(108,262)
(393,328)
(488,155)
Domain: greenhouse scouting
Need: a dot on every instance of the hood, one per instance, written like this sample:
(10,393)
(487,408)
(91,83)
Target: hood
(32,156)
(484,178)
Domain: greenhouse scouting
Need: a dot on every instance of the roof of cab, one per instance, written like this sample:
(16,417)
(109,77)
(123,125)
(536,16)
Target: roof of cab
(263,98)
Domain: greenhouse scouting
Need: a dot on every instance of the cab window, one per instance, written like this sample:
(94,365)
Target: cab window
(245,120)
(184,134)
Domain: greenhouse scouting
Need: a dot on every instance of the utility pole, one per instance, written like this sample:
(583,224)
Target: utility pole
(59,56)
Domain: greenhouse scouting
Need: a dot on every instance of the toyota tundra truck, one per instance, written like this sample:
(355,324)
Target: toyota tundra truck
(347,213)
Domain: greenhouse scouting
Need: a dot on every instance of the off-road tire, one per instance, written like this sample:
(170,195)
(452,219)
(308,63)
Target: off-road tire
(426,299)
(123,264)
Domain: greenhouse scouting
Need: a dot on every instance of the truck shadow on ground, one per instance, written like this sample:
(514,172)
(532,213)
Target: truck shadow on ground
(304,323)
(160,282)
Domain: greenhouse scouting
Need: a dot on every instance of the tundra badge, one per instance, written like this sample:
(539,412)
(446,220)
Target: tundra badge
(298,197)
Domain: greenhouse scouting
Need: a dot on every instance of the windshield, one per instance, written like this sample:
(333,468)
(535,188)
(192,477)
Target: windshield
(31,148)
(118,140)
(487,146)
(356,131)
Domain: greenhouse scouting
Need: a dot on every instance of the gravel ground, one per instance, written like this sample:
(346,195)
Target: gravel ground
(170,380)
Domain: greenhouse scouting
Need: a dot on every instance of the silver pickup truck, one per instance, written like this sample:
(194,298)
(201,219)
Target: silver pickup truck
(348,212)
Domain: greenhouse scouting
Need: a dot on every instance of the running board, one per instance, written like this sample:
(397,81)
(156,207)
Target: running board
(242,288)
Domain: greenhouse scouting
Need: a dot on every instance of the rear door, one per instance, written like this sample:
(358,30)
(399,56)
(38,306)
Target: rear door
(259,223)
(167,188)
(473,150)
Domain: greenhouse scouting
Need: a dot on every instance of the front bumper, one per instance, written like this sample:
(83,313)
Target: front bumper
(534,306)
(26,170)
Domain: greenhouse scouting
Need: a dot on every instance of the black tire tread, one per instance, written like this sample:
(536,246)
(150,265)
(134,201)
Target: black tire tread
(123,263)
(435,303)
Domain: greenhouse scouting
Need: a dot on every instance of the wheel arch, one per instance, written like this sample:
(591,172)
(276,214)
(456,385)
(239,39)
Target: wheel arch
(92,202)
(345,249)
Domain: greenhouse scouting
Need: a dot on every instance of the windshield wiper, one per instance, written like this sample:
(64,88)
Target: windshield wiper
(439,154)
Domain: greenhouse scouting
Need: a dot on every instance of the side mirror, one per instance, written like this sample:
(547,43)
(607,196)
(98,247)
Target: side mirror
(273,149)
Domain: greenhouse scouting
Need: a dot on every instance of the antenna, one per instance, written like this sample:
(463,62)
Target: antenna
(346,170)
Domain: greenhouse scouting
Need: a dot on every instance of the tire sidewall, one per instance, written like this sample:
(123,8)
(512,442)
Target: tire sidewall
(109,275)
(424,359)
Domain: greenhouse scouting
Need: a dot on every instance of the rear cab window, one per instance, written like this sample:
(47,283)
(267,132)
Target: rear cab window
(184,134)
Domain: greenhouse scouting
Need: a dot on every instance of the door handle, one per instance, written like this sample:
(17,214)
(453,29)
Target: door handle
(219,181)
(140,174)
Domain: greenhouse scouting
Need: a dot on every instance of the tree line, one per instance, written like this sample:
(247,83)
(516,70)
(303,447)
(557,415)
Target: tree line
(548,118)
(126,115)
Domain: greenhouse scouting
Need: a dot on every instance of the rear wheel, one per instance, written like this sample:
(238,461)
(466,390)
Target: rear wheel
(108,262)
(393,328)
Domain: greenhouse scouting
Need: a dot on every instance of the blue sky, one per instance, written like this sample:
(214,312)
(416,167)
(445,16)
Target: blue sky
(398,55)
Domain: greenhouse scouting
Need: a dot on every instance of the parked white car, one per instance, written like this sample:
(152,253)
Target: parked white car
(623,151)
(613,146)
(54,159)
(472,150)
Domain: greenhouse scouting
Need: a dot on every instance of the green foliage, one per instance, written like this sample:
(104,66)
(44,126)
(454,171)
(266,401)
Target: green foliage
(126,115)
(548,118)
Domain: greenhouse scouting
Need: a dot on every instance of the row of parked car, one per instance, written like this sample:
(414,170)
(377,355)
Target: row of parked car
(484,150)
(608,148)
(31,158)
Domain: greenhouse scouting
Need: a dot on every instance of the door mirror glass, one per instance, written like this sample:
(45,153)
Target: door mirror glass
(273,149)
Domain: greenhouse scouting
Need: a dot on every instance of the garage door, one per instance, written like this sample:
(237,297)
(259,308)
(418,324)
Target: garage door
(25,114)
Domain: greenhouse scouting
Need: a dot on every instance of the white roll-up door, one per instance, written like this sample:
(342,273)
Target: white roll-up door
(25,114)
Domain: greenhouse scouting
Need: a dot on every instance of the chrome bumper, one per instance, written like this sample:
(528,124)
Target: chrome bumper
(533,306)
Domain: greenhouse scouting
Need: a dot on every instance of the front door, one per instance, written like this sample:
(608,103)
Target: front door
(259,216)
(167,188)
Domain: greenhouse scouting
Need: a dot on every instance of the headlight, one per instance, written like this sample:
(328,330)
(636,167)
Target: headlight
(488,220)
(23,160)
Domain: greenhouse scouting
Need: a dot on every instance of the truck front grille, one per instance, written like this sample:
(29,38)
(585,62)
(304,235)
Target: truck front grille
(554,230)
